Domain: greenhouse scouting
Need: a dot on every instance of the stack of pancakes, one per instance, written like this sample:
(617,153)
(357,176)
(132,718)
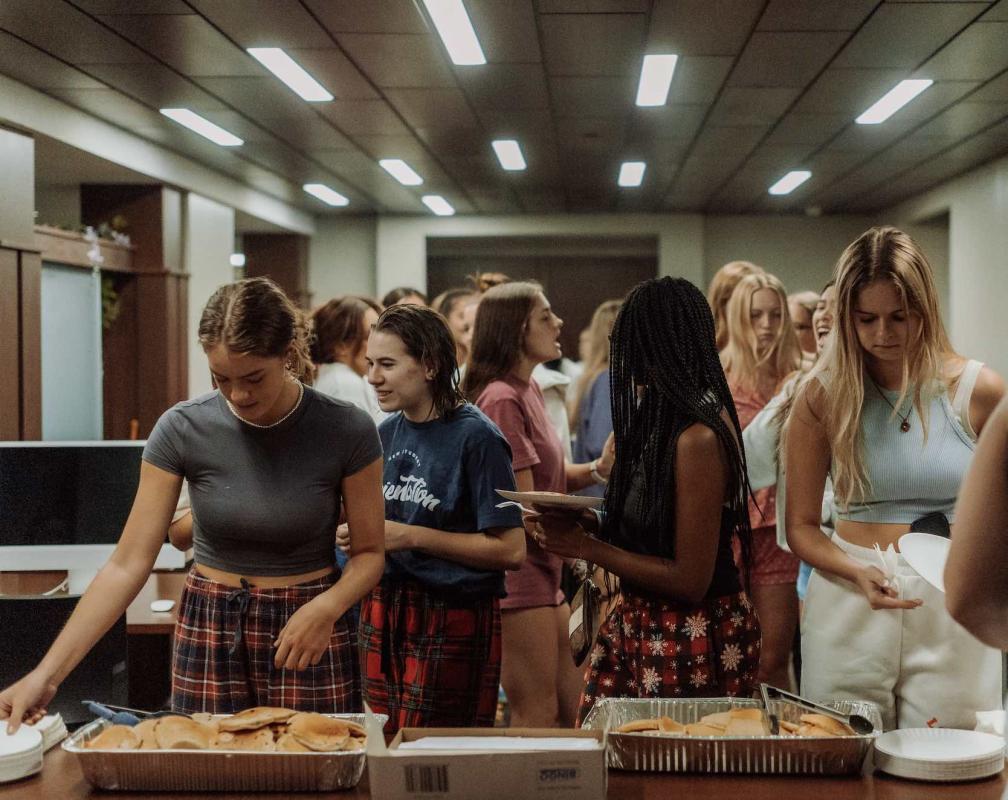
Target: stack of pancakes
(738,722)
(261,729)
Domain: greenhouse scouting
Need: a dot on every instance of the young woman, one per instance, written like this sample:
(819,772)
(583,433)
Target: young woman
(889,412)
(406,295)
(342,327)
(720,291)
(430,632)
(269,462)
(451,305)
(591,413)
(683,626)
(801,306)
(515,330)
(761,352)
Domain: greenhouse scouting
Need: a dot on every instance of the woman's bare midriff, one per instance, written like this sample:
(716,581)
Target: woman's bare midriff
(867,534)
(261,581)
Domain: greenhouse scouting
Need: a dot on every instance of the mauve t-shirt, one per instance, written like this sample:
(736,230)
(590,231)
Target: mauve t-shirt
(519,410)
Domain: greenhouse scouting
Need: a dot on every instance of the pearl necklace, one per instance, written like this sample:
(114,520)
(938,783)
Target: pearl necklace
(272,424)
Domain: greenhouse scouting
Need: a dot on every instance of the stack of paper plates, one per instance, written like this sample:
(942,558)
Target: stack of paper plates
(20,754)
(939,754)
(53,730)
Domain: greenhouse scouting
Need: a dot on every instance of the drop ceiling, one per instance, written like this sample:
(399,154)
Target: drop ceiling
(761,88)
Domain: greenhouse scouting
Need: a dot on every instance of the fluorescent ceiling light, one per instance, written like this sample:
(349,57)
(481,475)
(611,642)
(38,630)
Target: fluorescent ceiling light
(655,79)
(456,31)
(325,194)
(202,126)
(790,182)
(631,173)
(438,205)
(237,259)
(897,97)
(401,171)
(509,154)
(290,72)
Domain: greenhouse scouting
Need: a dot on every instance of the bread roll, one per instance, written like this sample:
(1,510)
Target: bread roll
(833,727)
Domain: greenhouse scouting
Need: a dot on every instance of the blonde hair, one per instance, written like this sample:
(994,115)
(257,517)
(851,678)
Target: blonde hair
(255,316)
(879,254)
(598,353)
(720,290)
(741,357)
(807,299)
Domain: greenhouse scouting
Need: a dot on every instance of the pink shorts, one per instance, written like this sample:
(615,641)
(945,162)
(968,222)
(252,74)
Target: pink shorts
(771,566)
(536,583)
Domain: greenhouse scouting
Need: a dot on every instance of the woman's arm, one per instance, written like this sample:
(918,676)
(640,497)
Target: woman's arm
(580,475)
(495,548)
(180,532)
(808,461)
(976,581)
(305,637)
(987,393)
(105,600)
(701,476)
(760,439)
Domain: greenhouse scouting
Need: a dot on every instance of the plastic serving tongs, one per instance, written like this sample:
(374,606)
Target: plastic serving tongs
(860,725)
(120,715)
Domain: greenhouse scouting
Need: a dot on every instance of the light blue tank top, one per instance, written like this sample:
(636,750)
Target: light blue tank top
(908,477)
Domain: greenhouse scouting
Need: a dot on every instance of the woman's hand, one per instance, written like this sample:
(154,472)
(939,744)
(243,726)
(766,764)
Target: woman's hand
(875,587)
(305,637)
(561,534)
(26,700)
(604,463)
(343,538)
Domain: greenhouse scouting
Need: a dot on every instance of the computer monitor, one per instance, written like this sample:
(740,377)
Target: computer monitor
(63,506)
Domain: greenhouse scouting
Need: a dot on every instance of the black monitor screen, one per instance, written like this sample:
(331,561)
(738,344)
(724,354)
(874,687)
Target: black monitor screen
(66,494)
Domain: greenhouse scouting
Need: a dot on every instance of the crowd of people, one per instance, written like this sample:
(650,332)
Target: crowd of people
(755,451)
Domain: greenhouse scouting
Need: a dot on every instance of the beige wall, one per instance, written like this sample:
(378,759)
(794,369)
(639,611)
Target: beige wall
(208,241)
(341,258)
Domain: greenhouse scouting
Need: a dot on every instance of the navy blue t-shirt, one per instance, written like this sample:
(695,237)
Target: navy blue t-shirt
(442,474)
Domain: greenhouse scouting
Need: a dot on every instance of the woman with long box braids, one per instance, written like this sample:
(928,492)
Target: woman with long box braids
(683,626)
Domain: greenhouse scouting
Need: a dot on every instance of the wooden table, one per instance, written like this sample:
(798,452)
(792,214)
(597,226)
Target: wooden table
(61,778)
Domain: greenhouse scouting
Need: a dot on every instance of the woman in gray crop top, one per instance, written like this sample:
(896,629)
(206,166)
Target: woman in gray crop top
(268,462)
(888,412)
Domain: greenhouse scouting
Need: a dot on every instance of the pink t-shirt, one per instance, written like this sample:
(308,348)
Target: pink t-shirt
(748,403)
(518,409)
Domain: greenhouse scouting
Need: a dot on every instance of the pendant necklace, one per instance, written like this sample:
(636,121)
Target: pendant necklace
(904,418)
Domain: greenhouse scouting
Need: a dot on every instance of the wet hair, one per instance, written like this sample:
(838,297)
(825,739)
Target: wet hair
(445,302)
(498,334)
(395,296)
(255,316)
(428,339)
(340,323)
(663,341)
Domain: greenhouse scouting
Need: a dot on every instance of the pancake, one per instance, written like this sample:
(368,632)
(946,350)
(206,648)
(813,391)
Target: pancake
(182,733)
(260,740)
(252,718)
(116,737)
(318,732)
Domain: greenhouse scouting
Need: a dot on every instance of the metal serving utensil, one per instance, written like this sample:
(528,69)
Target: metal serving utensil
(772,718)
(860,725)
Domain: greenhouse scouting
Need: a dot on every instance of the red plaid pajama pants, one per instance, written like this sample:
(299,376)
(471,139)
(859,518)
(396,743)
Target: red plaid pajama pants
(652,648)
(222,660)
(430,658)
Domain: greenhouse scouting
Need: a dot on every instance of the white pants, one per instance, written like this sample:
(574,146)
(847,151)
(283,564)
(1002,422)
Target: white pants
(916,664)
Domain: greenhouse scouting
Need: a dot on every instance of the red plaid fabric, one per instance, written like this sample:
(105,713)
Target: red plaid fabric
(210,674)
(429,659)
(650,648)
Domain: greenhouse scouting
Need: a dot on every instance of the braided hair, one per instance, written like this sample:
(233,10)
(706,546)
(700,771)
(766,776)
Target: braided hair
(663,341)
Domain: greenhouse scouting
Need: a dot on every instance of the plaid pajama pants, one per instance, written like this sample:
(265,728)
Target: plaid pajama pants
(651,648)
(222,660)
(430,659)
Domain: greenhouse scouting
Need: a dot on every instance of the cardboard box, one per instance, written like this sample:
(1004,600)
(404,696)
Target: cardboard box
(395,774)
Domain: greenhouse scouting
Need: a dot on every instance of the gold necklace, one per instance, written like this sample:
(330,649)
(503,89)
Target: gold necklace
(272,424)
(905,419)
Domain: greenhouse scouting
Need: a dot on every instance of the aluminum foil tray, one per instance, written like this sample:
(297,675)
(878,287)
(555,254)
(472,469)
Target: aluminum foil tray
(767,755)
(216,770)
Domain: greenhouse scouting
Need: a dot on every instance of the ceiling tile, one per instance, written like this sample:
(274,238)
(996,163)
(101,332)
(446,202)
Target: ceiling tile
(364,117)
(342,161)
(399,60)
(542,200)
(186,42)
(594,6)
(902,35)
(427,108)
(811,129)
(258,98)
(373,16)
(330,67)
(506,87)
(847,91)
(507,31)
(592,45)
(408,148)
(679,122)
(814,15)
(153,7)
(30,65)
(597,135)
(698,79)
(112,106)
(265,23)
(701,27)
(998,12)
(449,142)
(785,59)
(518,124)
(751,106)
(156,85)
(964,119)
(731,144)
(995,91)
(978,53)
(598,97)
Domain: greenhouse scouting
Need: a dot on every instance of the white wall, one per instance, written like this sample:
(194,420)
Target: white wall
(208,240)
(58,206)
(977,206)
(341,258)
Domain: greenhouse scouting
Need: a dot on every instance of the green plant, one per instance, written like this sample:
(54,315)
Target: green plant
(110,301)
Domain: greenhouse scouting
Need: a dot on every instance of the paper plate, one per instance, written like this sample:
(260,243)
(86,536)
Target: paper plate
(939,754)
(26,740)
(551,499)
(926,554)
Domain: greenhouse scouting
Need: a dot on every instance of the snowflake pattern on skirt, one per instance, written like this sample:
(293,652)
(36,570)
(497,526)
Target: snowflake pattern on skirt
(708,650)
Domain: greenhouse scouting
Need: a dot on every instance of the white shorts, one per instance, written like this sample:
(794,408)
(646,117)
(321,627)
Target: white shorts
(917,664)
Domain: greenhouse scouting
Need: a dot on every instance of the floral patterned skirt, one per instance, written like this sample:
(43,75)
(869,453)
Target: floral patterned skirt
(652,648)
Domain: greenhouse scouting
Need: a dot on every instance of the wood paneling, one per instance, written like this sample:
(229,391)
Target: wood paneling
(10,386)
(30,289)
(282,257)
